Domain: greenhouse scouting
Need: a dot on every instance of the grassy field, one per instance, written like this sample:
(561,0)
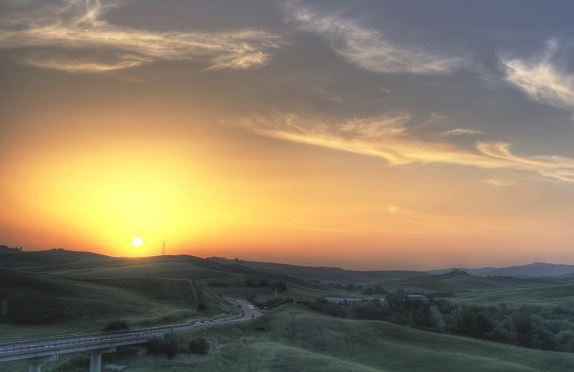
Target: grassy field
(292,338)
(556,295)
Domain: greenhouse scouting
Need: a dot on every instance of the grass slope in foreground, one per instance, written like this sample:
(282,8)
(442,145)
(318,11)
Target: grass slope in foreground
(292,338)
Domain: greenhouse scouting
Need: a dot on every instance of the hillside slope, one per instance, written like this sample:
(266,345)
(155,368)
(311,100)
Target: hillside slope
(294,339)
(536,269)
(37,304)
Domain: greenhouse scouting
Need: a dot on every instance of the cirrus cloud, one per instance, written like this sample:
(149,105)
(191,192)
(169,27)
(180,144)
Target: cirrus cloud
(541,80)
(459,132)
(368,48)
(76,25)
(387,138)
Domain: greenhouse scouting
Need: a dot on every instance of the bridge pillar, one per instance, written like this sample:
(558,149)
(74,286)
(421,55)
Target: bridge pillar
(96,358)
(35,364)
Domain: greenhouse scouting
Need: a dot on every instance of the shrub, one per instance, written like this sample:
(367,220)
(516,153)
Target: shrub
(165,345)
(198,346)
(281,287)
(116,325)
(273,302)
(217,284)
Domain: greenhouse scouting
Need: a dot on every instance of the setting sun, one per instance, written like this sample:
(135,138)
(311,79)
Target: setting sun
(137,241)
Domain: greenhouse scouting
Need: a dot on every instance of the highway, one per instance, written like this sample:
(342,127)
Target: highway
(51,347)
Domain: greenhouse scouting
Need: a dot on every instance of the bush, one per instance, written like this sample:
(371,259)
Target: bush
(565,340)
(274,302)
(165,345)
(116,325)
(281,287)
(324,306)
(199,346)
(217,284)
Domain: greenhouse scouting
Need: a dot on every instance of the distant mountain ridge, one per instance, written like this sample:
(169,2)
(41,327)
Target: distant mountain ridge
(536,269)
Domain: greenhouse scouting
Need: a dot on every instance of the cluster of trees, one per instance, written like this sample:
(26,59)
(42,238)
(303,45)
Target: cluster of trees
(366,290)
(280,287)
(7,248)
(373,290)
(253,283)
(530,326)
(170,346)
(273,302)
(324,306)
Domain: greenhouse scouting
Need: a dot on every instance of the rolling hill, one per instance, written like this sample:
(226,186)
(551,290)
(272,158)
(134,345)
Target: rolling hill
(292,338)
(537,269)
(60,291)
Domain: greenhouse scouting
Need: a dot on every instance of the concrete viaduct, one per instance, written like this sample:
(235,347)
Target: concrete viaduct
(40,351)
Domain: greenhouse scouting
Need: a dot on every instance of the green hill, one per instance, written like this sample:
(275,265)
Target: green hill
(227,278)
(50,260)
(41,303)
(413,281)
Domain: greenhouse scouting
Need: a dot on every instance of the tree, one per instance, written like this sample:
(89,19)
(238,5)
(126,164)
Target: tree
(281,287)
(565,340)
(198,346)
(379,290)
(436,319)
(369,291)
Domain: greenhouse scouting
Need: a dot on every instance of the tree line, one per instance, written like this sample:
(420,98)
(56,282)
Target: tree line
(540,327)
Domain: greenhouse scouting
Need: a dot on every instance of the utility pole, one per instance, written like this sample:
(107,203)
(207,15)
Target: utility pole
(163,249)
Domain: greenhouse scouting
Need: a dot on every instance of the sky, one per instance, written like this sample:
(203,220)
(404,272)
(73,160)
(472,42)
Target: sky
(358,134)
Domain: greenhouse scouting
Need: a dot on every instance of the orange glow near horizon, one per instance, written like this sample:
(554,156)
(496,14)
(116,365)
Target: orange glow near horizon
(100,197)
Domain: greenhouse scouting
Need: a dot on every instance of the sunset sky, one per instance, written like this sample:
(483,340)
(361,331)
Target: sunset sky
(361,134)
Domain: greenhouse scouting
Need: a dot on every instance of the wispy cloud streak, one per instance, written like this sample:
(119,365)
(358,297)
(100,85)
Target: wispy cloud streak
(498,182)
(368,48)
(389,140)
(79,25)
(540,79)
(459,132)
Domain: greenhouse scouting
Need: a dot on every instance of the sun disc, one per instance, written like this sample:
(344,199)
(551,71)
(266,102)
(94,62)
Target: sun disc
(137,241)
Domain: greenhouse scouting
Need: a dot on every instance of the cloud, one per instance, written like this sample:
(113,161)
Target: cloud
(410,215)
(387,138)
(552,166)
(499,182)
(459,132)
(540,80)
(374,127)
(75,64)
(79,25)
(367,48)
